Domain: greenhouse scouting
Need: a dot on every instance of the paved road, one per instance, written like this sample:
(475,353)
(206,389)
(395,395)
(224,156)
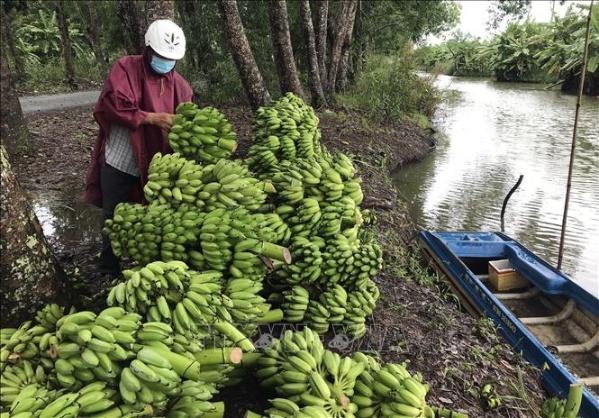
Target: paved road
(45,103)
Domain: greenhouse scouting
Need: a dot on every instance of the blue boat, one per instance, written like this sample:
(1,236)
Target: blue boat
(551,320)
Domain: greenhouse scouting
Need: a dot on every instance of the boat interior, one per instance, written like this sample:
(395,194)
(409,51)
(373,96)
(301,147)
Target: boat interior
(569,331)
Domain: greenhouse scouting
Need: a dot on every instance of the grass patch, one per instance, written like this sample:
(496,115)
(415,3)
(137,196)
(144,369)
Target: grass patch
(389,88)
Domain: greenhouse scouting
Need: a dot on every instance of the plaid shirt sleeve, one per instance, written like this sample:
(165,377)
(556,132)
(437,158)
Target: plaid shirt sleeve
(118,152)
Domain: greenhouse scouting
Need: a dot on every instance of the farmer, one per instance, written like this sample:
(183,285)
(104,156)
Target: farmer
(134,111)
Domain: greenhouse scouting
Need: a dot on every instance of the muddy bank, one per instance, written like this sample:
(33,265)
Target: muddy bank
(416,321)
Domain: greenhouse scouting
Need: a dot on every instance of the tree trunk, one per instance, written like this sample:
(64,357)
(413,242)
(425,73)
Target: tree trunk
(9,40)
(13,129)
(67,52)
(282,49)
(91,16)
(343,27)
(321,40)
(29,273)
(249,73)
(318,99)
(131,19)
(159,9)
(342,74)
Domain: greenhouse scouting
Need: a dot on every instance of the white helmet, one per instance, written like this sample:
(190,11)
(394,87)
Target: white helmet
(166,38)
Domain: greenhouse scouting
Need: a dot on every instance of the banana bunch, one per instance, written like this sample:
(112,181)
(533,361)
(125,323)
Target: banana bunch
(90,347)
(120,229)
(285,408)
(295,303)
(246,303)
(38,401)
(307,261)
(272,228)
(147,287)
(334,300)
(170,293)
(349,260)
(338,215)
(317,316)
(204,135)
(232,240)
(163,183)
(31,340)
(301,369)
(388,390)
(149,379)
(564,408)
(16,377)
(361,303)
(229,184)
(179,234)
(193,401)
(285,130)
(21,343)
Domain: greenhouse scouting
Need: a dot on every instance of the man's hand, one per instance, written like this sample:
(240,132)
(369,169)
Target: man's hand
(162,120)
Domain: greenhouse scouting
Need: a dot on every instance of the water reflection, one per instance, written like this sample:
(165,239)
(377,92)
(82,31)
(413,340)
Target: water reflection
(65,219)
(492,133)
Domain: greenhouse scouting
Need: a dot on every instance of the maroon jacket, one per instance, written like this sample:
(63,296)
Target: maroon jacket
(130,92)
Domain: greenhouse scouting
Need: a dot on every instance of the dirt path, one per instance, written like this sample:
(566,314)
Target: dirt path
(416,320)
(50,102)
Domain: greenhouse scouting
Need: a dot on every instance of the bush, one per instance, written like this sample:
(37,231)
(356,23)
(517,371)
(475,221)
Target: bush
(390,88)
(49,77)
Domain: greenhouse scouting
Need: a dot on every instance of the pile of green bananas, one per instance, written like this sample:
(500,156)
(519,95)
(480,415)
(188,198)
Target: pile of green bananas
(285,408)
(564,408)
(18,376)
(234,240)
(307,261)
(31,340)
(170,293)
(347,259)
(225,184)
(156,231)
(388,390)
(93,400)
(91,347)
(298,367)
(204,239)
(201,134)
(285,130)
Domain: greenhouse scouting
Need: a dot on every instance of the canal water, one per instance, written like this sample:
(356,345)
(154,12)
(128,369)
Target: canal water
(489,134)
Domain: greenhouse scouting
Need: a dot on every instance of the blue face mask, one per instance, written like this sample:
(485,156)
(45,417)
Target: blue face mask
(162,65)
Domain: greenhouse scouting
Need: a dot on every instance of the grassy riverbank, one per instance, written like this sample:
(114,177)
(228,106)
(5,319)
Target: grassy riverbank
(417,320)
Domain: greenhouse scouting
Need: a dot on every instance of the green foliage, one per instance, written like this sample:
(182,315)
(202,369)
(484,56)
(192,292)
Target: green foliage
(525,52)
(458,56)
(49,76)
(512,53)
(562,55)
(389,88)
(38,37)
(386,26)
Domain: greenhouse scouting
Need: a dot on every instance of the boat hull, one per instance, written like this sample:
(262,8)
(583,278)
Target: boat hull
(447,249)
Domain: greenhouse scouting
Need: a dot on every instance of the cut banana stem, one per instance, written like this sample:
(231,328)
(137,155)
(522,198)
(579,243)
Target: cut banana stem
(226,355)
(276,252)
(250,414)
(232,333)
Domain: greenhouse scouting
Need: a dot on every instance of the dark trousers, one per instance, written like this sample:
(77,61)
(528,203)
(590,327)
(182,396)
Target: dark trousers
(116,188)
